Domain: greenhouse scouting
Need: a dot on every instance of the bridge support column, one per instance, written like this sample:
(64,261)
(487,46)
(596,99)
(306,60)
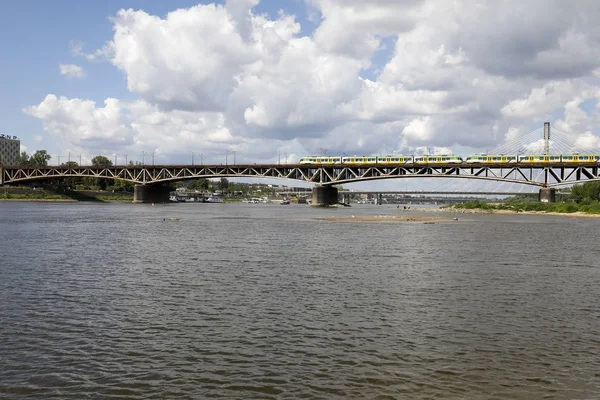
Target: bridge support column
(346,198)
(324,196)
(547,195)
(150,194)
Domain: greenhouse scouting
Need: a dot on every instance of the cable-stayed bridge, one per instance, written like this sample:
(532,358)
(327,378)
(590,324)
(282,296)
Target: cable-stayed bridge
(539,160)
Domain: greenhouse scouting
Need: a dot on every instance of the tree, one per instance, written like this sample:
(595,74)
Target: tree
(201,184)
(70,182)
(23,159)
(123,186)
(589,191)
(40,158)
(101,161)
(223,184)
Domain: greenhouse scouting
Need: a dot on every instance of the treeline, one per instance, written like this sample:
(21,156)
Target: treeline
(582,198)
(41,158)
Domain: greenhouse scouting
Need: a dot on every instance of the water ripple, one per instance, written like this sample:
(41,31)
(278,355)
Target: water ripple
(253,301)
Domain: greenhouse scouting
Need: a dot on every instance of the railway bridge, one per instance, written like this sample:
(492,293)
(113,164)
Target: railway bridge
(150,180)
(545,172)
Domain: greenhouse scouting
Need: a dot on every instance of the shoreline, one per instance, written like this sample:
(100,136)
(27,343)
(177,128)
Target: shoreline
(41,200)
(577,214)
(63,201)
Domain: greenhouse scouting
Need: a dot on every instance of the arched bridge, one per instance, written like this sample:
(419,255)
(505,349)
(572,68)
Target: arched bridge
(543,175)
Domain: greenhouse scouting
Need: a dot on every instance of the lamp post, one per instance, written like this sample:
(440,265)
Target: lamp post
(200,154)
(143,156)
(74,155)
(153,158)
(227,153)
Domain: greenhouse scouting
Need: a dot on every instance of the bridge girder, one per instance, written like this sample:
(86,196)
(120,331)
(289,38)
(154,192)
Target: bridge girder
(541,175)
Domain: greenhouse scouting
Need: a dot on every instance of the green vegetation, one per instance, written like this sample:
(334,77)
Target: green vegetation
(58,193)
(39,159)
(33,196)
(583,198)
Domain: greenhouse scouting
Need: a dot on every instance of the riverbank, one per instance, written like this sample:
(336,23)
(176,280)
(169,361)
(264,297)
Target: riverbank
(45,195)
(576,214)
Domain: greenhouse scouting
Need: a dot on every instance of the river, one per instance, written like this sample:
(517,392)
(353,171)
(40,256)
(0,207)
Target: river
(264,301)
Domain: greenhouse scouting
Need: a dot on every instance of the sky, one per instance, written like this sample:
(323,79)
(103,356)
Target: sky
(278,80)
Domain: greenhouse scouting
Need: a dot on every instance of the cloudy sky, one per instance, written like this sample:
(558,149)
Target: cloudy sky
(274,78)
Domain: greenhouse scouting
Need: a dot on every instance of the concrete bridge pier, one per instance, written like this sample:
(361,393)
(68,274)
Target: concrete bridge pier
(324,196)
(547,195)
(151,194)
(346,198)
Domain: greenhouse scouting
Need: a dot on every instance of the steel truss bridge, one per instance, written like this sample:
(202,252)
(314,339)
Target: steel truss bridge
(543,175)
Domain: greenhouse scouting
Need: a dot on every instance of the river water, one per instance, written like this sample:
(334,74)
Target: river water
(110,301)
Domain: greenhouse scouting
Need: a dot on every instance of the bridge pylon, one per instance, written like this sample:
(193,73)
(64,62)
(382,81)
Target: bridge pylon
(547,195)
(324,196)
(151,193)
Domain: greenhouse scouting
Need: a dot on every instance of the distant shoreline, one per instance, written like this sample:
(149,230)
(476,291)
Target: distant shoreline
(41,200)
(577,214)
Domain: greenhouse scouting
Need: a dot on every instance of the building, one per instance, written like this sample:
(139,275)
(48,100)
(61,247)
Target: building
(10,148)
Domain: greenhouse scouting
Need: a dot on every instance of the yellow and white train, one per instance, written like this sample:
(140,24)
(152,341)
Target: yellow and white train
(453,159)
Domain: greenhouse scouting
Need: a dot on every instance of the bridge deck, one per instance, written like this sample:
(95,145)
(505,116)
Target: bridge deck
(536,174)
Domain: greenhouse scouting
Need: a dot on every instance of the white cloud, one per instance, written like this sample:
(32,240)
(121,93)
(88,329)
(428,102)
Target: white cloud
(71,70)
(457,75)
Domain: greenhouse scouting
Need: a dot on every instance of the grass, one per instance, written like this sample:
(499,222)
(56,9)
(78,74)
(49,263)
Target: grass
(33,196)
(40,195)
(529,205)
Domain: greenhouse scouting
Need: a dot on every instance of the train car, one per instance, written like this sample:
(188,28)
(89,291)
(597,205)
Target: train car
(538,158)
(395,159)
(579,158)
(320,160)
(352,160)
(490,159)
(438,159)
(533,158)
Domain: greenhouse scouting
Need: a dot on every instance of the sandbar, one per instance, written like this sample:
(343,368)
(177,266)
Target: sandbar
(389,218)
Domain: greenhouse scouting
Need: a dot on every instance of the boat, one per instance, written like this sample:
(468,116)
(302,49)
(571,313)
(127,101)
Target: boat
(212,199)
(285,201)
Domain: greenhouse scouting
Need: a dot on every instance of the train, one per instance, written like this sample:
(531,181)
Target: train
(453,159)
